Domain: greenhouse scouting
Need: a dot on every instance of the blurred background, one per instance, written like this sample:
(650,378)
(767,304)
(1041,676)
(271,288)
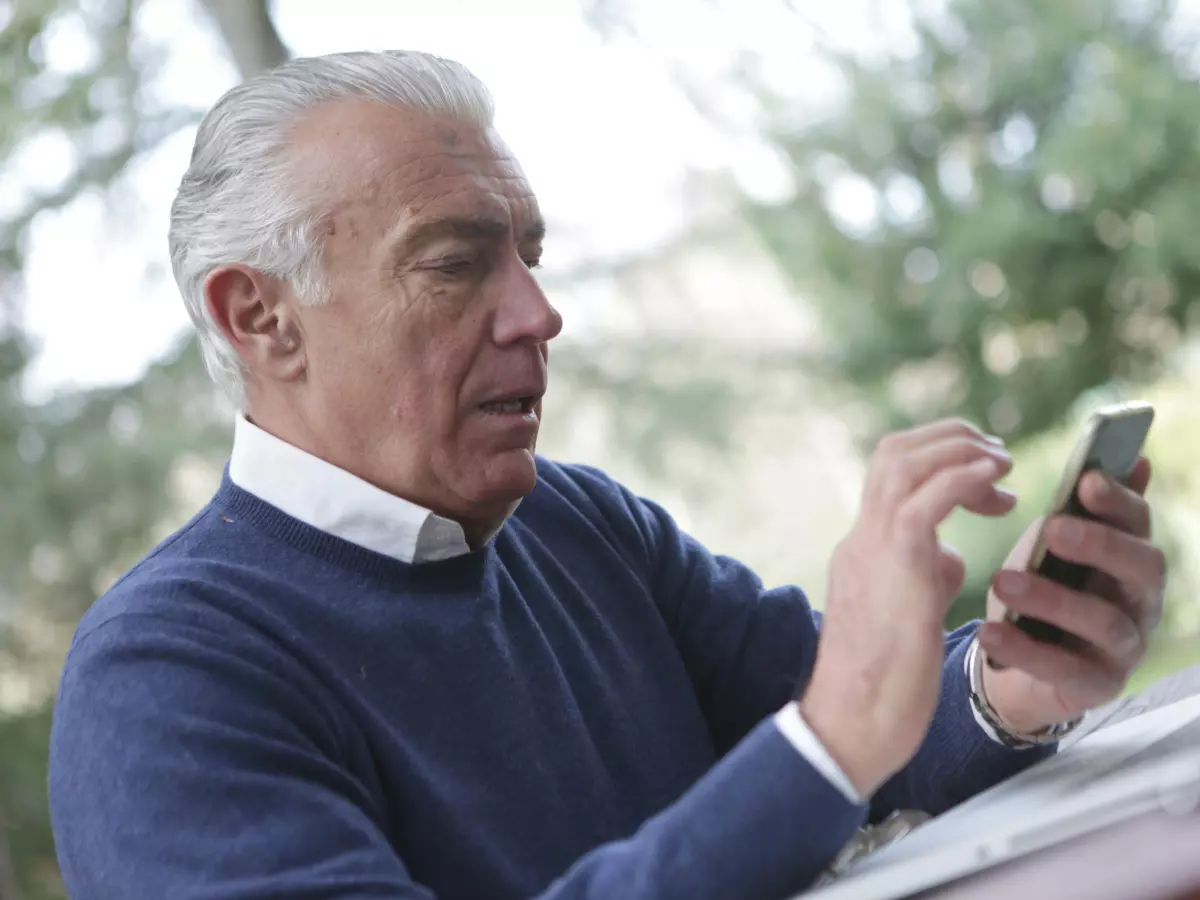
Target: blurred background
(775,233)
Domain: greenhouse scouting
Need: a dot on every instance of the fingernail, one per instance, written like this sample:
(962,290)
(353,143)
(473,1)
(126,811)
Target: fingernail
(995,439)
(1102,484)
(1070,531)
(1011,584)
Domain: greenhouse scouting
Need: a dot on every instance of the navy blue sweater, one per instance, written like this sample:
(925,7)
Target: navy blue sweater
(581,709)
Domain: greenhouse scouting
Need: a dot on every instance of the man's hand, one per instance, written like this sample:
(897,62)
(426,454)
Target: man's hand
(875,684)
(1109,622)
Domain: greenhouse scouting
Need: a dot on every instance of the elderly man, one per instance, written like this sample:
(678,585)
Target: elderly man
(400,656)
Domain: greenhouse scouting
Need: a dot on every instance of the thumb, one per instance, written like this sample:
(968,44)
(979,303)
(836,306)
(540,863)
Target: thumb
(1139,478)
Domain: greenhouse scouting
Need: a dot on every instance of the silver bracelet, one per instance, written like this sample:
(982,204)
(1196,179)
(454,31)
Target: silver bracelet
(1009,738)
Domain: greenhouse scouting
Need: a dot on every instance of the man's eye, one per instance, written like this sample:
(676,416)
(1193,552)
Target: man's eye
(452,268)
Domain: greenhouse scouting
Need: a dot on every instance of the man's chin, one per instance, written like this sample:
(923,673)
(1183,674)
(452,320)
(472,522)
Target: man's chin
(506,478)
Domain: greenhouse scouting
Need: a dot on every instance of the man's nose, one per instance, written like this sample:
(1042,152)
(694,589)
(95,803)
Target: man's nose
(524,314)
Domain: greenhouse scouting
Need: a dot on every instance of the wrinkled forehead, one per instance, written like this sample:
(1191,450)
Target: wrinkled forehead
(387,167)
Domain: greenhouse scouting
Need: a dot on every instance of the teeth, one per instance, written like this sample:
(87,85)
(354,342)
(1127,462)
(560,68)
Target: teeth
(507,406)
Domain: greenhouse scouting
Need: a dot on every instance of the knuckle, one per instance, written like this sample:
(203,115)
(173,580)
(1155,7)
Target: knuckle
(964,427)
(889,445)
(967,447)
(1110,683)
(1095,542)
(1150,613)
(1137,649)
(909,517)
(954,480)
(1145,520)
(1158,564)
(968,477)
(1118,631)
(1056,605)
(1077,671)
(1051,602)
(895,478)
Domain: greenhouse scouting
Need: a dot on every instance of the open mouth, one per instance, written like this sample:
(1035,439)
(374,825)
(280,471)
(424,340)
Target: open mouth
(511,406)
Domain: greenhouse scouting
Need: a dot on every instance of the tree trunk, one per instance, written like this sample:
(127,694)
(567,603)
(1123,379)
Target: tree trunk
(249,34)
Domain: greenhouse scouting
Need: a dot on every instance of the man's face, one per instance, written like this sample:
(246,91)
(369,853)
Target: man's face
(424,374)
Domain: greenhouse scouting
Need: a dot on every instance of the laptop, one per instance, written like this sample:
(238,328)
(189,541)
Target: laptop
(1148,763)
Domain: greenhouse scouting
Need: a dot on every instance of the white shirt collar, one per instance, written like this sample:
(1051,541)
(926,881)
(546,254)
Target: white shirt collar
(320,494)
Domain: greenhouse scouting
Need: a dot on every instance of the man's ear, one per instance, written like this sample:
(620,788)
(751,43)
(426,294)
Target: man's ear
(253,311)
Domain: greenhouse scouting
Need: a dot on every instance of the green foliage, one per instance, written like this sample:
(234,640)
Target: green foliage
(98,105)
(1173,494)
(90,474)
(30,851)
(654,396)
(1025,180)
(86,476)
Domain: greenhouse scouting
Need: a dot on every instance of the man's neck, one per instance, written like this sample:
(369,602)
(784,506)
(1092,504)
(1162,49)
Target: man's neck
(294,430)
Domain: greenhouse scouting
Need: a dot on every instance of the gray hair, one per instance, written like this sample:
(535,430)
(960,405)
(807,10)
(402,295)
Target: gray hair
(235,205)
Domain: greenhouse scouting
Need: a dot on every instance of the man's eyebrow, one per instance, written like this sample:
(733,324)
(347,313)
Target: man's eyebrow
(536,232)
(472,228)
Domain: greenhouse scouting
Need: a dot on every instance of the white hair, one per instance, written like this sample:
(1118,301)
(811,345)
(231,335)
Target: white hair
(235,204)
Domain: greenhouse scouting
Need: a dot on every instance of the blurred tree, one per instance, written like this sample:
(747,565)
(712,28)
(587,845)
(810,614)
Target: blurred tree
(999,219)
(991,208)
(87,476)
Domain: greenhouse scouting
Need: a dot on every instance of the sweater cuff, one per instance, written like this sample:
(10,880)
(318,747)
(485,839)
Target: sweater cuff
(966,767)
(791,723)
(762,823)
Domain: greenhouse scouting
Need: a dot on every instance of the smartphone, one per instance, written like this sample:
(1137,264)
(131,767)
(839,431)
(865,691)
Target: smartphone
(1112,442)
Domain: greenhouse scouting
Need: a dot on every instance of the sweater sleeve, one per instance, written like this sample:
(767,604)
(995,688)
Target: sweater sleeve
(190,763)
(187,763)
(957,759)
(749,650)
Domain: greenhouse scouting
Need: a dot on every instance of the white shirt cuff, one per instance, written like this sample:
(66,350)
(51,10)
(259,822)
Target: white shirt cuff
(968,662)
(800,736)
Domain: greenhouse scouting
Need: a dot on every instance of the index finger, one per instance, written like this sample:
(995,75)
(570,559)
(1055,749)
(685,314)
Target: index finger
(942,428)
